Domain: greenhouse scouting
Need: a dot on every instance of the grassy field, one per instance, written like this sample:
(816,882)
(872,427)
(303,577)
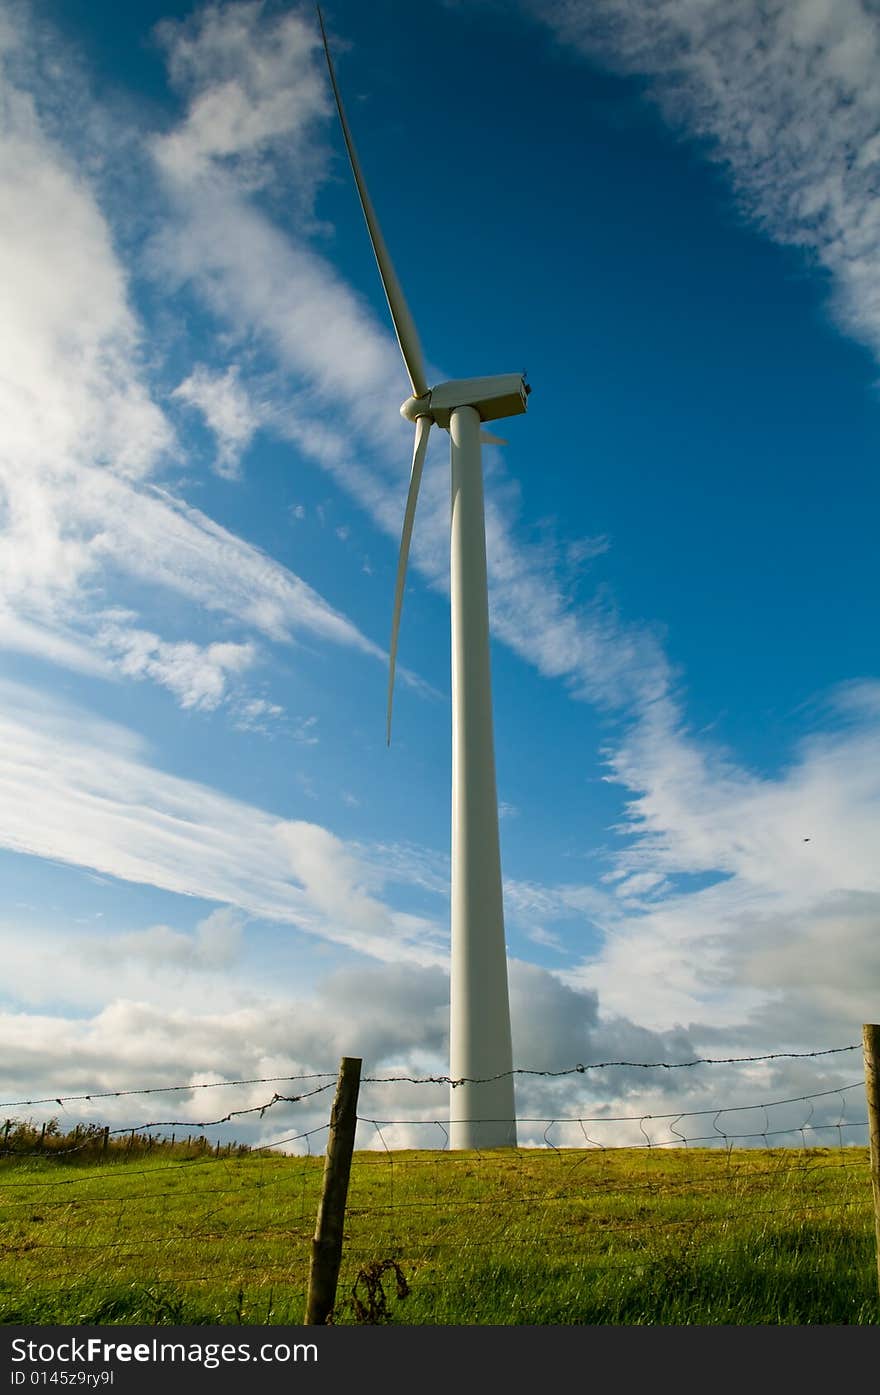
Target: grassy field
(623,1236)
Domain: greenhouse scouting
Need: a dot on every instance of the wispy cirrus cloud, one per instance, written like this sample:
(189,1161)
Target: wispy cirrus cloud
(82,791)
(85,441)
(278,290)
(785,97)
(92,496)
(663,944)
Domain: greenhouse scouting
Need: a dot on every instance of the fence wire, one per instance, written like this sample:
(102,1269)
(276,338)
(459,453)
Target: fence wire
(739,1185)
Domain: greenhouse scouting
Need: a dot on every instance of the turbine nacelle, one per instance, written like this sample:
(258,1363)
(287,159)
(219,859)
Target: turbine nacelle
(493,398)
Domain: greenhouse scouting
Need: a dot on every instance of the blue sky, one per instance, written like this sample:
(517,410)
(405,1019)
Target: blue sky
(213,868)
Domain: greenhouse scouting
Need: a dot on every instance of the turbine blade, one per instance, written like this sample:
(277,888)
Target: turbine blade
(404,324)
(489,440)
(423,426)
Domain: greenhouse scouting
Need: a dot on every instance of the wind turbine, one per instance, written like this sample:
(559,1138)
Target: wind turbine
(482,1110)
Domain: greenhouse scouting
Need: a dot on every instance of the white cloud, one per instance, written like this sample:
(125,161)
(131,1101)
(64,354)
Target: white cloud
(253,91)
(305,731)
(196,674)
(786,94)
(695,811)
(227,410)
(71,368)
(747,957)
(530,902)
(162,540)
(540,936)
(257,714)
(83,439)
(274,289)
(72,387)
(790,877)
(50,642)
(100,520)
(216,944)
(336,883)
(395,1018)
(81,792)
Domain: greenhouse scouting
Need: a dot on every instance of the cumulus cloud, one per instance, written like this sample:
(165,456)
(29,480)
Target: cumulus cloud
(215,944)
(395,1019)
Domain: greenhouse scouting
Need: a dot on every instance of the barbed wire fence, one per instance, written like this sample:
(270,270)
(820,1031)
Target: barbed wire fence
(641,1193)
(48,1135)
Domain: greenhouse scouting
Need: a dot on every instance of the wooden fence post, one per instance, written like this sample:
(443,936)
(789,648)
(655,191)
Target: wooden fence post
(871,1043)
(327,1242)
(105,1138)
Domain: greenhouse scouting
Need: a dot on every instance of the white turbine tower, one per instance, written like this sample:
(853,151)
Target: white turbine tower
(482,1111)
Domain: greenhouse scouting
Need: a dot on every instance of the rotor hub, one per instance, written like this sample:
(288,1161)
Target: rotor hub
(415,407)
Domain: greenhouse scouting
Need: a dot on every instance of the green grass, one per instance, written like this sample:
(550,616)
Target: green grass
(624,1236)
